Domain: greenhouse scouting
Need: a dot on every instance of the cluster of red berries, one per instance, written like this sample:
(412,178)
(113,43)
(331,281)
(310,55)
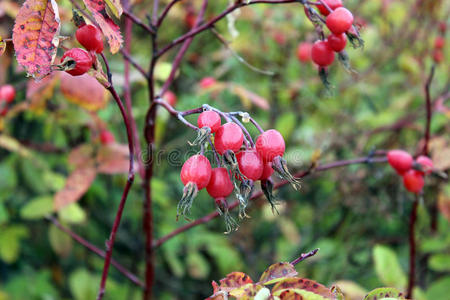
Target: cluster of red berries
(413,172)
(78,61)
(246,163)
(7,95)
(338,20)
(439,43)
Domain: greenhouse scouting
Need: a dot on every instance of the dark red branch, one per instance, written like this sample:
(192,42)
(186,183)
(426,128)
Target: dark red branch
(133,278)
(304,256)
(137,21)
(428,110)
(412,249)
(131,60)
(165,12)
(256,195)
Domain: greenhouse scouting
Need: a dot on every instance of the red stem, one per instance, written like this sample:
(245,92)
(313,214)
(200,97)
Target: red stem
(300,174)
(304,256)
(412,249)
(165,12)
(133,278)
(429,111)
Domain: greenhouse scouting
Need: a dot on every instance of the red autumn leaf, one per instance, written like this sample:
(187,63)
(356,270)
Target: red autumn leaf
(76,186)
(113,159)
(93,96)
(277,271)
(36,36)
(235,279)
(115,7)
(38,92)
(107,25)
(303,284)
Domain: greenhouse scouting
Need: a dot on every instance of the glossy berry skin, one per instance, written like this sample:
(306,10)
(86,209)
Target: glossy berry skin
(7,93)
(426,163)
(90,37)
(170,98)
(229,136)
(340,20)
(83,61)
(332,4)
(106,137)
(400,160)
(304,52)
(209,119)
(207,82)
(196,169)
(250,164)
(267,171)
(322,54)
(439,42)
(220,184)
(270,144)
(413,181)
(337,42)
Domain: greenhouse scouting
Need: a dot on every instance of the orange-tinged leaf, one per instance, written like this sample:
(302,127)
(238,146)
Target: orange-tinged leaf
(81,156)
(110,30)
(276,272)
(235,279)
(38,92)
(113,159)
(115,7)
(303,284)
(76,186)
(92,96)
(246,292)
(35,36)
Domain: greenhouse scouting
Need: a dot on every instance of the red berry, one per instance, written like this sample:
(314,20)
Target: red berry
(439,42)
(337,42)
(413,181)
(304,52)
(322,54)
(250,164)
(400,160)
(189,19)
(229,136)
(209,119)
(438,56)
(83,61)
(90,37)
(270,144)
(220,184)
(207,82)
(196,169)
(267,171)
(3,110)
(332,4)
(170,98)
(106,137)
(340,20)
(426,163)
(7,93)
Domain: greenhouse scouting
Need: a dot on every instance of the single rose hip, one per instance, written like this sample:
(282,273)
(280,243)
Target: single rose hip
(210,119)
(413,181)
(207,82)
(220,184)
(400,160)
(426,163)
(195,175)
(340,20)
(304,52)
(337,42)
(439,42)
(7,93)
(267,171)
(90,37)
(322,54)
(78,59)
(106,137)
(229,136)
(250,164)
(332,4)
(270,144)
(170,98)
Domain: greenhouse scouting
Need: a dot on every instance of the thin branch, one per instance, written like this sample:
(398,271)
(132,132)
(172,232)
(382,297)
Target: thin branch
(133,278)
(429,111)
(412,249)
(131,60)
(304,256)
(301,174)
(137,21)
(214,20)
(165,12)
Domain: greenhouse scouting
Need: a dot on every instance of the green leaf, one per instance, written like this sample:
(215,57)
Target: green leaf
(440,262)
(439,290)
(82,285)
(37,208)
(387,267)
(60,241)
(10,242)
(286,124)
(197,265)
(72,214)
(383,293)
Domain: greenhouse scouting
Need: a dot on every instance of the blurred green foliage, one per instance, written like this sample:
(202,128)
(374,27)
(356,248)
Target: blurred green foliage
(357,216)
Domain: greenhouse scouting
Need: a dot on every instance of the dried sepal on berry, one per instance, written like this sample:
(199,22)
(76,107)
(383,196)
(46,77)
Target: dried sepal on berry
(184,206)
(202,136)
(243,194)
(223,210)
(267,188)
(279,164)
